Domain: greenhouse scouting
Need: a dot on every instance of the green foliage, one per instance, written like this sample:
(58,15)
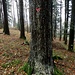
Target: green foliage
(27,68)
(57,57)
(26,42)
(5,65)
(57,72)
(15,62)
(12,63)
(6,55)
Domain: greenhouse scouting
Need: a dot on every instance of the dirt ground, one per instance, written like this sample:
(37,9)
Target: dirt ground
(13,54)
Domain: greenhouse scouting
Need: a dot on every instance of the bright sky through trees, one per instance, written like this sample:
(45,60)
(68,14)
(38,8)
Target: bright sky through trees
(26,10)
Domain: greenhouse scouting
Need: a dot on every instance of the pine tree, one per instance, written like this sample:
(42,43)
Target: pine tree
(6,27)
(41,42)
(22,32)
(72,27)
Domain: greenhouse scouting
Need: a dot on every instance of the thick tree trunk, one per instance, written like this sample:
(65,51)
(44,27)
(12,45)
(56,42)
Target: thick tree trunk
(22,32)
(6,27)
(41,44)
(72,27)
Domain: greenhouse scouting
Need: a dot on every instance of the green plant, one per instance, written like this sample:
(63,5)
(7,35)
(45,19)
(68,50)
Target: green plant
(5,65)
(26,42)
(15,62)
(27,68)
(6,55)
(57,72)
(12,63)
(57,57)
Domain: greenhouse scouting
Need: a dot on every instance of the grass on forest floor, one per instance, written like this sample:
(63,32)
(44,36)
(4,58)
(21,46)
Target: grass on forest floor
(67,65)
(13,54)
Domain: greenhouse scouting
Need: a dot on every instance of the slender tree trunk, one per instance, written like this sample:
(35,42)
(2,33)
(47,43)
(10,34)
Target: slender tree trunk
(41,44)
(18,15)
(55,26)
(60,22)
(66,23)
(31,13)
(6,27)
(72,27)
(51,18)
(22,32)
(0,14)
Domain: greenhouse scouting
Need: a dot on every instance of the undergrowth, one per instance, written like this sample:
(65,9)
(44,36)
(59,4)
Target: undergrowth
(12,63)
(27,68)
(56,70)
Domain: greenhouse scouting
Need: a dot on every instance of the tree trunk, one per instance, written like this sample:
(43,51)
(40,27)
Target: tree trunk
(0,14)
(22,32)
(18,16)
(60,21)
(55,26)
(51,18)
(6,27)
(41,44)
(66,21)
(30,13)
(72,27)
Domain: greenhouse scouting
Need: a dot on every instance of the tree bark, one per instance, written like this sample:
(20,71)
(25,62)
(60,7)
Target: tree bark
(72,27)
(0,14)
(6,27)
(41,44)
(60,21)
(66,21)
(22,32)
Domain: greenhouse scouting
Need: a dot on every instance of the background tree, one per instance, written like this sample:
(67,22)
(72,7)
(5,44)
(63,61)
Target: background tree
(41,47)
(9,12)
(66,20)
(1,14)
(6,27)
(22,32)
(72,27)
(31,13)
(55,15)
(18,24)
(60,21)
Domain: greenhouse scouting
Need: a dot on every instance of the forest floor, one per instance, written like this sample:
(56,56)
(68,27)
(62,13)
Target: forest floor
(13,55)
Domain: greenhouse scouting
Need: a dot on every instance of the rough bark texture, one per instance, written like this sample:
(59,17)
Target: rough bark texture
(6,27)
(41,48)
(72,27)
(22,32)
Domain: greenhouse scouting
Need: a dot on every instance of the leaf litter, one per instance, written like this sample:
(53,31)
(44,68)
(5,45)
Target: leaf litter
(13,55)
